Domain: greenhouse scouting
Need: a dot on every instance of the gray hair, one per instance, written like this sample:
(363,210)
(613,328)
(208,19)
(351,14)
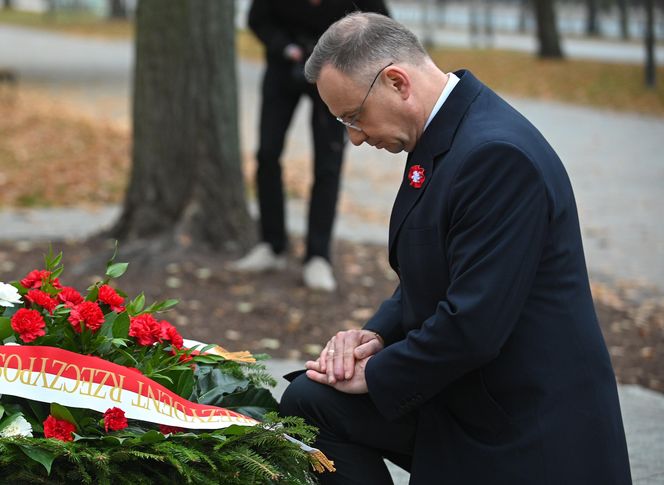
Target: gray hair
(360,43)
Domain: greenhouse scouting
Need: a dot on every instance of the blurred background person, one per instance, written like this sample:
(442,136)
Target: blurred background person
(289,30)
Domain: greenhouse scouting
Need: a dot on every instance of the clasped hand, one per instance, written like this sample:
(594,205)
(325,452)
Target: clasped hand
(342,362)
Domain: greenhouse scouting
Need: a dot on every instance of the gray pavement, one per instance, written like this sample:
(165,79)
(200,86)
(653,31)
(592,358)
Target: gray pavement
(613,159)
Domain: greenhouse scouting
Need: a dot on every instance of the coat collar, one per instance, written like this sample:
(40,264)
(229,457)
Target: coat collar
(435,141)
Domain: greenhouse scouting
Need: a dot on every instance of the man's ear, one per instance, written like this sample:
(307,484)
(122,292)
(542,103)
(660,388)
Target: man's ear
(399,80)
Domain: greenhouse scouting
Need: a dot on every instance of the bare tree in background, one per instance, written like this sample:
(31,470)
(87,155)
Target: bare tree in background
(547,30)
(117,9)
(650,67)
(623,12)
(592,17)
(525,11)
(7,4)
(186,184)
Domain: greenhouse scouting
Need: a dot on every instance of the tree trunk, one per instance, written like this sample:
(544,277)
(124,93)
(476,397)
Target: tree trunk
(592,21)
(488,23)
(524,12)
(547,30)
(7,4)
(624,19)
(186,183)
(650,69)
(117,9)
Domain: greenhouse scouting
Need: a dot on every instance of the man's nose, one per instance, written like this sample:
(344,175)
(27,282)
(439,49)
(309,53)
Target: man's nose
(356,137)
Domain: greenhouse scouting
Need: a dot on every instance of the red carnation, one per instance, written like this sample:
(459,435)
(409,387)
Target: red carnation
(145,328)
(42,299)
(89,313)
(114,419)
(165,429)
(109,296)
(35,278)
(29,324)
(70,296)
(170,333)
(59,429)
(182,356)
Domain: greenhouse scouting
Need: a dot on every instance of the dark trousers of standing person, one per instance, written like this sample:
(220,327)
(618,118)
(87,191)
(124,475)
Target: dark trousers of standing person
(281,91)
(351,432)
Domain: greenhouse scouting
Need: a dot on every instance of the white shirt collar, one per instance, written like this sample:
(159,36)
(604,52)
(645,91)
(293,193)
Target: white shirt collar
(452,81)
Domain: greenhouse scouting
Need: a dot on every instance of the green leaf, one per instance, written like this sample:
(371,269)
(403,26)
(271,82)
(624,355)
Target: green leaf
(93,293)
(107,328)
(61,412)
(39,455)
(207,359)
(162,306)
(121,326)
(185,384)
(2,411)
(136,305)
(253,402)
(115,253)
(58,271)
(116,270)
(152,436)
(5,328)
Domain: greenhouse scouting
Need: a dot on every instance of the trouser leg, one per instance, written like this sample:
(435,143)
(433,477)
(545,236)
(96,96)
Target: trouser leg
(277,107)
(352,432)
(329,140)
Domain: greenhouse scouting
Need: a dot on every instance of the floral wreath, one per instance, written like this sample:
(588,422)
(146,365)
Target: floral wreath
(98,388)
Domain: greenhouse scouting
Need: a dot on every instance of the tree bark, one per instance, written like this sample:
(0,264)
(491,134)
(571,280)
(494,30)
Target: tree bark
(650,66)
(524,12)
(186,183)
(592,21)
(624,19)
(547,30)
(117,9)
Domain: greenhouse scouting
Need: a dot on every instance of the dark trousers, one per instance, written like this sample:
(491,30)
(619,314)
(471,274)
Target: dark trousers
(280,94)
(352,432)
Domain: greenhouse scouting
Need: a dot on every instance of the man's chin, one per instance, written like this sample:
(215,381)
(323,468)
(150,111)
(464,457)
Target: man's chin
(392,147)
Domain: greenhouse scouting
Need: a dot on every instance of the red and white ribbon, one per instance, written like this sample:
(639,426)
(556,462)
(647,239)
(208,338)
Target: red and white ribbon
(50,374)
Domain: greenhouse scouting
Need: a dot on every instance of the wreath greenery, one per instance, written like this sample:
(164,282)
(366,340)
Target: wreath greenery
(46,442)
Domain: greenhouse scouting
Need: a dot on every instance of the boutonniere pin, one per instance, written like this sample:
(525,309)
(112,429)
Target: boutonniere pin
(416,176)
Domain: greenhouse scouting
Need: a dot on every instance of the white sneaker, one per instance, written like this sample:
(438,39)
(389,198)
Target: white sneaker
(318,275)
(260,259)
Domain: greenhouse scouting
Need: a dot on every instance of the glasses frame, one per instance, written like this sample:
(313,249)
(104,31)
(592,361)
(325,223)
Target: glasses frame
(351,123)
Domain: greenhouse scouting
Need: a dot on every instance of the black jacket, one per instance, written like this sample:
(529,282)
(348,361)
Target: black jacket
(278,23)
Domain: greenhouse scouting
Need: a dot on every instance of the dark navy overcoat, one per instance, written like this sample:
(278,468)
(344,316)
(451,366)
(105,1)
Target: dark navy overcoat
(491,335)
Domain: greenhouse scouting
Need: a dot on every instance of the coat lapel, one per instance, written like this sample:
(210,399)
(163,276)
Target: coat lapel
(434,142)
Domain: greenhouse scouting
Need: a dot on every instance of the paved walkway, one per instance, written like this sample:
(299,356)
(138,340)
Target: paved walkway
(614,161)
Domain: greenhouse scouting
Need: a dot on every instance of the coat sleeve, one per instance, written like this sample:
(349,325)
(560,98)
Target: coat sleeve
(387,320)
(262,23)
(498,210)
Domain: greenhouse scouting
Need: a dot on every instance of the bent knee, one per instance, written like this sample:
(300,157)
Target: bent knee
(302,398)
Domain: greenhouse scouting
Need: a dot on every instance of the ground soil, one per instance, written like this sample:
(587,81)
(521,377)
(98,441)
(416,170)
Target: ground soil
(275,314)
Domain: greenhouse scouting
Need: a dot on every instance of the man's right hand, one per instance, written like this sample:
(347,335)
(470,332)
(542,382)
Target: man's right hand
(337,360)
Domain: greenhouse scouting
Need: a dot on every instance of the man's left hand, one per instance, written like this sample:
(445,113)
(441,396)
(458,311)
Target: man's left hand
(355,385)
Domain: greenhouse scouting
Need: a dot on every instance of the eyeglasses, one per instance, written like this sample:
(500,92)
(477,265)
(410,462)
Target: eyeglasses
(350,123)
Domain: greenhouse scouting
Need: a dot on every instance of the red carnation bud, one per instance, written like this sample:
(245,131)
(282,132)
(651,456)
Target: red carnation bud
(29,324)
(89,313)
(109,296)
(43,299)
(114,419)
(59,429)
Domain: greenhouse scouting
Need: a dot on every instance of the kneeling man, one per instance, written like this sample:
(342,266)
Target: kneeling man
(487,364)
